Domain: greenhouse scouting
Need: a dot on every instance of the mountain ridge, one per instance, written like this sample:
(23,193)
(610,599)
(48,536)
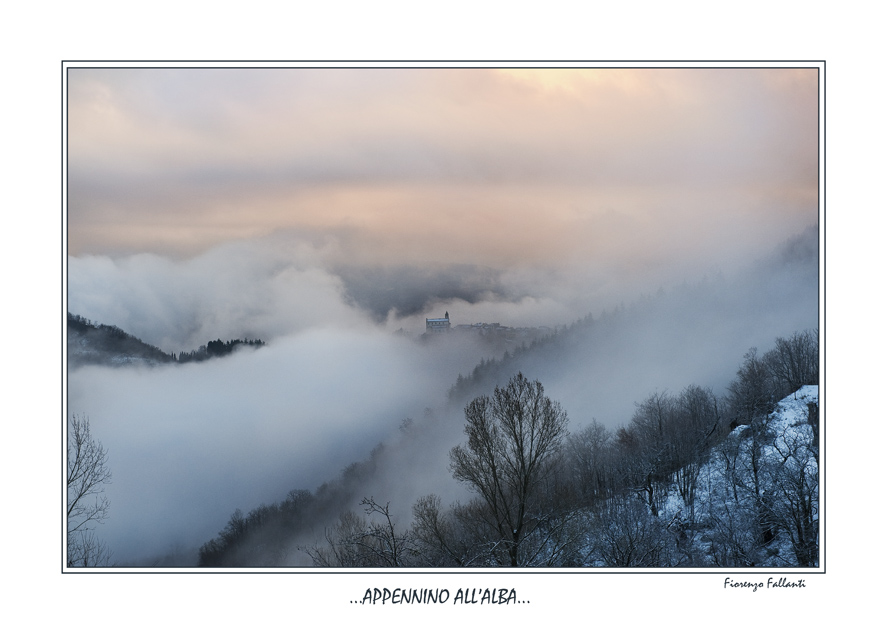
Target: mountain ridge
(92,343)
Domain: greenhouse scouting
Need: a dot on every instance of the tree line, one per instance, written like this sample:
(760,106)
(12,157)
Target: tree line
(215,348)
(108,340)
(694,479)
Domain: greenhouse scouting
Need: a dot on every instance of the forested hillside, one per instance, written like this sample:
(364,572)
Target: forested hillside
(694,480)
(684,335)
(93,343)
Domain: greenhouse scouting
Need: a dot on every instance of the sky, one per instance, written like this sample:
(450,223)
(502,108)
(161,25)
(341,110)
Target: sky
(434,165)
(321,210)
(510,185)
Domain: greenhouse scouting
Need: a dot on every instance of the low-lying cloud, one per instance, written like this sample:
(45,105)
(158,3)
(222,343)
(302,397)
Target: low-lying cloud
(190,443)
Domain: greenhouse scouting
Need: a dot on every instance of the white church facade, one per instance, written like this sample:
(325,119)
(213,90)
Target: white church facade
(437,325)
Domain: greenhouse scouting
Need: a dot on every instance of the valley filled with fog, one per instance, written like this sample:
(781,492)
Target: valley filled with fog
(189,444)
(652,225)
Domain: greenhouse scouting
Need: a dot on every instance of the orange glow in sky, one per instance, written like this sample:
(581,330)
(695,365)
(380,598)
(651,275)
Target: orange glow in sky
(498,167)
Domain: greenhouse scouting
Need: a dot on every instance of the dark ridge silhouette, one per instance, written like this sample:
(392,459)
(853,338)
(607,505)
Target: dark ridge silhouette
(93,343)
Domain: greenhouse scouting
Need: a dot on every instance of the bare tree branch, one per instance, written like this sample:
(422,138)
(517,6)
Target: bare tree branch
(87,506)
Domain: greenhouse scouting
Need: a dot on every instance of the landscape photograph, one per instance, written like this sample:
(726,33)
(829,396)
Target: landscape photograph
(349,317)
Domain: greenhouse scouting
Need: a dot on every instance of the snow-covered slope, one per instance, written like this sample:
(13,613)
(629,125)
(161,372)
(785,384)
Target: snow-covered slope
(756,501)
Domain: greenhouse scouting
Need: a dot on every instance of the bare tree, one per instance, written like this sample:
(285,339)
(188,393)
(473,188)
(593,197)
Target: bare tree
(513,440)
(752,402)
(442,537)
(697,421)
(87,506)
(794,361)
(589,454)
(343,543)
(795,483)
(644,449)
(626,534)
(355,542)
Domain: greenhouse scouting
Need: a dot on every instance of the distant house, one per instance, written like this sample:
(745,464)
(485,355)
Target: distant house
(437,325)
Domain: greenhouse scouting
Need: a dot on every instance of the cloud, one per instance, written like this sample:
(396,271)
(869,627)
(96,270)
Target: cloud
(190,443)
(238,290)
(175,161)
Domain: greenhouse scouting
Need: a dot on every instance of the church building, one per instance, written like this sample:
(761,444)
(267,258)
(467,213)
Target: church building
(437,325)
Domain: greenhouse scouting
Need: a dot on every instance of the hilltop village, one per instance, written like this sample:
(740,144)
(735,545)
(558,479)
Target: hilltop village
(491,332)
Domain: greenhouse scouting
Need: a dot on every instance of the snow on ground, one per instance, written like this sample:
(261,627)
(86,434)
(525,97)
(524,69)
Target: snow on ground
(725,494)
